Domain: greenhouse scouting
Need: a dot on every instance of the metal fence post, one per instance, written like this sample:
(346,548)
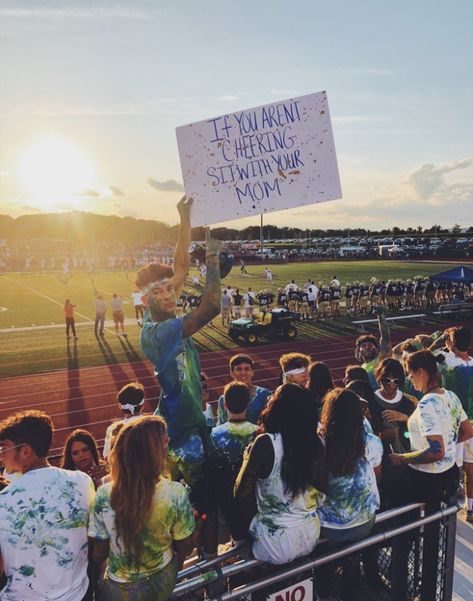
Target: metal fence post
(449,558)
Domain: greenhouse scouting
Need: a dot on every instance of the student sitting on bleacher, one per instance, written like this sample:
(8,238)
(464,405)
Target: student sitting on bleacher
(284,471)
(131,399)
(80,453)
(230,440)
(242,370)
(141,522)
(353,457)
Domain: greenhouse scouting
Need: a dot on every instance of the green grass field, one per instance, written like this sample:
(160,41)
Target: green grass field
(35,302)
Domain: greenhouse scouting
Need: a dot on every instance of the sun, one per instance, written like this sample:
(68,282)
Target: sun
(55,171)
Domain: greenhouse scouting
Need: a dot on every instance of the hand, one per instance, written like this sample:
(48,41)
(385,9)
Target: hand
(98,471)
(212,245)
(396,459)
(389,435)
(394,416)
(184,208)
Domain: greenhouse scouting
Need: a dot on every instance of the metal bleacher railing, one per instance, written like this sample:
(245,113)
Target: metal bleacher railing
(414,553)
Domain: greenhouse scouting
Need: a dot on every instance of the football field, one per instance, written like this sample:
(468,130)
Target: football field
(32,315)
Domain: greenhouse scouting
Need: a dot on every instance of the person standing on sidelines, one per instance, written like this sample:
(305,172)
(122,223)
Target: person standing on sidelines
(236,301)
(43,516)
(249,301)
(138,305)
(118,316)
(226,302)
(70,320)
(100,312)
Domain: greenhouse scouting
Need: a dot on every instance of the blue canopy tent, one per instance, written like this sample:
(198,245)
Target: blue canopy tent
(457,274)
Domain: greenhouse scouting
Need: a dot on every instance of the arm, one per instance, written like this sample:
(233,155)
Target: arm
(385,344)
(377,472)
(466,431)
(183,548)
(258,460)
(435,451)
(438,342)
(101,549)
(210,303)
(181,255)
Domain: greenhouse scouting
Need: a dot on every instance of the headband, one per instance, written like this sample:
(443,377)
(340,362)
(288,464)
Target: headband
(293,372)
(131,408)
(151,285)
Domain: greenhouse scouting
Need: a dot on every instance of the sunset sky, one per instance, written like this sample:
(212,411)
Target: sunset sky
(91,94)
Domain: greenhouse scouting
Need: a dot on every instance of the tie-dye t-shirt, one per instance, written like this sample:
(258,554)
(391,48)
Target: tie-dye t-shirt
(171,519)
(43,535)
(436,415)
(369,367)
(285,527)
(353,500)
(177,368)
(255,406)
(230,440)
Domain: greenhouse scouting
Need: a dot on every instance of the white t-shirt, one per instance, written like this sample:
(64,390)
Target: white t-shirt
(246,300)
(43,535)
(353,500)
(291,287)
(136,296)
(452,361)
(436,415)
(117,304)
(312,292)
(108,434)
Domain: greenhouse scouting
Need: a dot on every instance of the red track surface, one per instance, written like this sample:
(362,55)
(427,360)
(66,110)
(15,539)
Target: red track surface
(86,397)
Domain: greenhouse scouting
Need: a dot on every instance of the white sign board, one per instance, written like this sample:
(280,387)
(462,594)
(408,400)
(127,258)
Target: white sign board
(263,159)
(302,591)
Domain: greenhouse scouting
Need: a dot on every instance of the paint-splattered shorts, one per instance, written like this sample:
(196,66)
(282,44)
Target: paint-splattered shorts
(158,587)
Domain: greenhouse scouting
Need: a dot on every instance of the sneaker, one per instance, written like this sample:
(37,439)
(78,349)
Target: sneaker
(469,516)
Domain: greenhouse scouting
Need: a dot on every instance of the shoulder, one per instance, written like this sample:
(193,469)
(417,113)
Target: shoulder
(262,392)
(172,490)
(219,430)
(76,477)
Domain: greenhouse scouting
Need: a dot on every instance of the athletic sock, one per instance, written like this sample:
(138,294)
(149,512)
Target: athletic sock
(469,504)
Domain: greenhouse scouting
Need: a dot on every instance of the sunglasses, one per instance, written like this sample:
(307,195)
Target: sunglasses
(3,448)
(386,381)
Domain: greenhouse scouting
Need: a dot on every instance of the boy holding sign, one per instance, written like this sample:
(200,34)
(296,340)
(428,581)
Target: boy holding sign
(166,340)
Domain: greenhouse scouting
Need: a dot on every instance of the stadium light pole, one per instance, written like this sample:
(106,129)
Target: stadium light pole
(261,236)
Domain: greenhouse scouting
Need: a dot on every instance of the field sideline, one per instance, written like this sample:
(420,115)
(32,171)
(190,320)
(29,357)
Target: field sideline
(35,302)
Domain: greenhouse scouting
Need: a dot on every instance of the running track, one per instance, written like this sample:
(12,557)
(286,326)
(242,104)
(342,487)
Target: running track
(85,397)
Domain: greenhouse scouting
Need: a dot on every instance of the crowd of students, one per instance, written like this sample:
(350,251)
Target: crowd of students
(285,468)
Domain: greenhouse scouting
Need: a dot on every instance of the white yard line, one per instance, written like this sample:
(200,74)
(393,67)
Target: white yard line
(108,323)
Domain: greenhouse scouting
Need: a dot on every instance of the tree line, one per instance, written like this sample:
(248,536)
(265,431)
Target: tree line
(81,227)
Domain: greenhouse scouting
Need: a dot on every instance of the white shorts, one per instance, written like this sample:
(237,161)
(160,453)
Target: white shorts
(465,452)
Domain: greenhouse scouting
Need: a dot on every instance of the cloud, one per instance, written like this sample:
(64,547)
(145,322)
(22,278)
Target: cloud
(357,119)
(90,193)
(169,185)
(72,12)
(117,206)
(429,181)
(116,191)
(369,71)
(227,98)
(30,209)
(285,93)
